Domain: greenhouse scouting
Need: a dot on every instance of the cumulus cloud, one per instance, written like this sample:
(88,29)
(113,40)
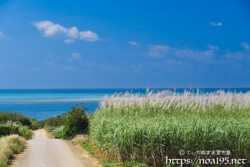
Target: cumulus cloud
(245,45)
(159,51)
(216,24)
(76,55)
(235,55)
(133,43)
(88,36)
(50,29)
(213,47)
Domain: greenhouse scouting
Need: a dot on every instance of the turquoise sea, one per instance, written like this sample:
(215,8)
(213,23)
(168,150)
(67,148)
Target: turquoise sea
(45,103)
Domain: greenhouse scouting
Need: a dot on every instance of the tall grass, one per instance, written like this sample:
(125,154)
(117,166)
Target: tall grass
(10,145)
(147,128)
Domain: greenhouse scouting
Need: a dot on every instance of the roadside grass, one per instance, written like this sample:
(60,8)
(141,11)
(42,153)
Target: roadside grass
(58,132)
(103,159)
(25,132)
(85,143)
(10,145)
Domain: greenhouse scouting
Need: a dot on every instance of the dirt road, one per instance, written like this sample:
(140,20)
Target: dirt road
(44,152)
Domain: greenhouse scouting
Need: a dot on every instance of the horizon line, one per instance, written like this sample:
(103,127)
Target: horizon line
(130,88)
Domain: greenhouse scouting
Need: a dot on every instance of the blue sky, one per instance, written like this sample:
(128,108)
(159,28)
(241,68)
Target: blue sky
(124,44)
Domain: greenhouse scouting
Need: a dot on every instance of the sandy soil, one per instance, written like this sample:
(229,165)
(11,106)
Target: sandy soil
(45,152)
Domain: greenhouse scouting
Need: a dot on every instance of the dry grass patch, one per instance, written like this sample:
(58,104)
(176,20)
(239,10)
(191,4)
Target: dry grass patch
(10,145)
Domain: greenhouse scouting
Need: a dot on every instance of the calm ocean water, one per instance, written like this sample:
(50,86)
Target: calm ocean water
(45,103)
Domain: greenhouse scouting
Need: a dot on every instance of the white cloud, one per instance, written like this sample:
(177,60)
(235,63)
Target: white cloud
(21,55)
(194,54)
(213,47)
(4,36)
(50,64)
(76,55)
(88,36)
(50,29)
(245,45)
(160,51)
(69,41)
(213,55)
(133,43)
(216,24)
(1,34)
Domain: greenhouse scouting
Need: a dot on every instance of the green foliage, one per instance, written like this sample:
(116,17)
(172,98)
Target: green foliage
(58,132)
(17,117)
(148,133)
(8,116)
(70,128)
(15,128)
(25,132)
(55,121)
(25,121)
(76,122)
(36,124)
(7,130)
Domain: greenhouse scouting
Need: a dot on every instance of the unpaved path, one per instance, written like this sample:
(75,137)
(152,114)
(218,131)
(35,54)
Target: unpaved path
(44,152)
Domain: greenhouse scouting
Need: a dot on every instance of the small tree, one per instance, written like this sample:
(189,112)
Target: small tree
(25,121)
(76,121)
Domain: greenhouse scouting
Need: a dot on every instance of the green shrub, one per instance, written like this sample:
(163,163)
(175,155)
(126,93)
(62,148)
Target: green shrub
(7,130)
(36,124)
(55,121)
(25,132)
(76,122)
(14,128)
(24,121)
(17,117)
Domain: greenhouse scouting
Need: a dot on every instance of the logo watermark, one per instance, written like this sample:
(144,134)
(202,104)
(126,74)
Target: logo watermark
(206,161)
(213,157)
(205,152)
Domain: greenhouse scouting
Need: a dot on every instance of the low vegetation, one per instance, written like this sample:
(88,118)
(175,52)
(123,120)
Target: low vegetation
(104,160)
(70,124)
(51,123)
(17,117)
(10,145)
(146,129)
(58,132)
(15,128)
